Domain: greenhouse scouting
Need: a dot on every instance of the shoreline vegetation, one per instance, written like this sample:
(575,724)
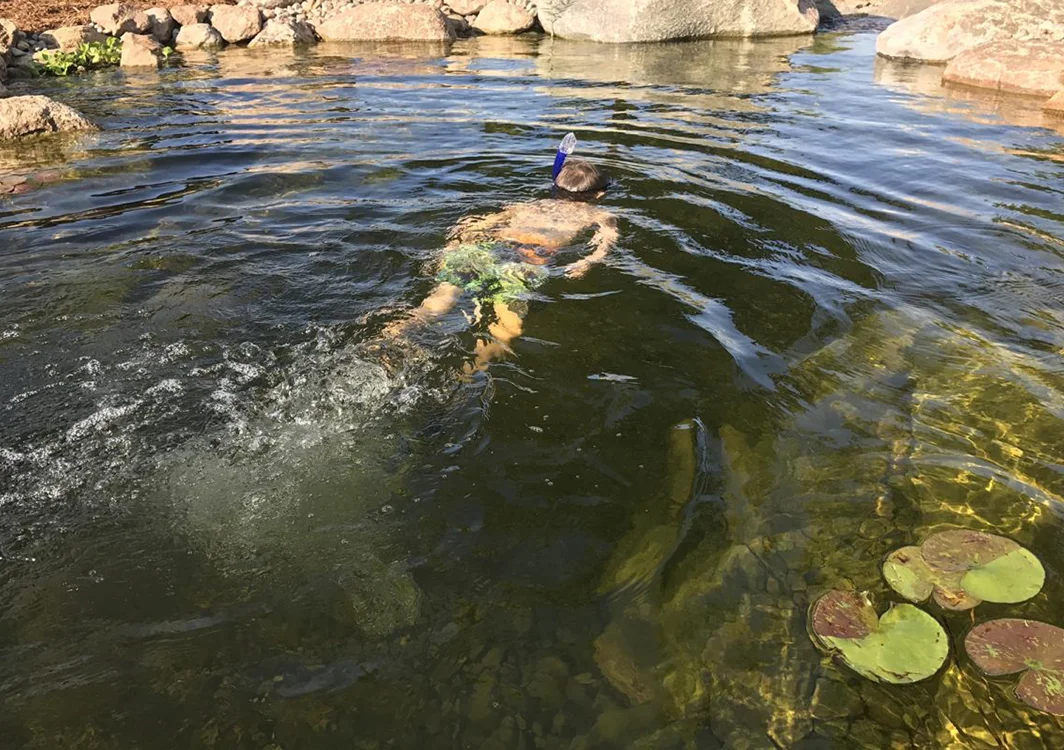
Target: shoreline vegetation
(1004,46)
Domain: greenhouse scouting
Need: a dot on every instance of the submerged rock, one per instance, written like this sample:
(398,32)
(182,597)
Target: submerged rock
(199,36)
(623,21)
(118,18)
(1035,68)
(35,115)
(945,30)
(69,38)
(387,22)
(502,17)
(141,51)
(292,33)
(236,23)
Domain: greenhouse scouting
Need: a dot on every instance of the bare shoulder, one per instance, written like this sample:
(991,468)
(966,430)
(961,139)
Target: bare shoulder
(557,212)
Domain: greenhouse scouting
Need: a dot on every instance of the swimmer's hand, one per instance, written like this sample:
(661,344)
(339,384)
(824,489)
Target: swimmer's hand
(578,269)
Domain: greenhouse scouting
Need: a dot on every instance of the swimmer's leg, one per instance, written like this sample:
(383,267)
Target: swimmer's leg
(508,326)
(442,299)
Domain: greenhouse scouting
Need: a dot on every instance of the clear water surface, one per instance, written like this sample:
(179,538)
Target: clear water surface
(834,323)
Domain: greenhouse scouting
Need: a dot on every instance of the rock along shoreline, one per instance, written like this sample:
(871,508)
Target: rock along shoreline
(1014,46)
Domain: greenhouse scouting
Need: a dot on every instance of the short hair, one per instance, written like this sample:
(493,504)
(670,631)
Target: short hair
(579,176)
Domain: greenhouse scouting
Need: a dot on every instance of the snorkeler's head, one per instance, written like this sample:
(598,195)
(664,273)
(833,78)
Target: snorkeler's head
(579,178)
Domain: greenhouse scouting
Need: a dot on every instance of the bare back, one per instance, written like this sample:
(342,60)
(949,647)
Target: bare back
(550,224)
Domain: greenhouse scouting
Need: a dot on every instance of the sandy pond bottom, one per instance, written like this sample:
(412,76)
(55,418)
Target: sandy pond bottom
(833,325)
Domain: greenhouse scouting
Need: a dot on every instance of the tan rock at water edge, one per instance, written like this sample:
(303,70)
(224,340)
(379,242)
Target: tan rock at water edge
(141,51)
(625,21)
(1035,68)
(69,38)
(1055,106)
(273,4)
(198,36)
(387,22)
(286,32)
(9,37)
(947,29)
(118,18)
(36,115)
(502,17)
(885,8)
(466,7)
(186,15)
(162,24)
(236,23)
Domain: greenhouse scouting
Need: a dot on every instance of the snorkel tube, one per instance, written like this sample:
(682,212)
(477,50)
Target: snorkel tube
(567,147)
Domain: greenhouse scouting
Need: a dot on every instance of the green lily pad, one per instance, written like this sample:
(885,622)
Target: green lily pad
(1012,645)
(904,645)
(963,568)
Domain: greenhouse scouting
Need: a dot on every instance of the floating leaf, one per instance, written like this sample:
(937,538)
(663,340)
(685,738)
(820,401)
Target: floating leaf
(1012,645)
(841,614)
(904,645)
(962,568)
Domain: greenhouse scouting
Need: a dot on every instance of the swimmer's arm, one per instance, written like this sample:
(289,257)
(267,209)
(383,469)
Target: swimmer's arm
(601,243)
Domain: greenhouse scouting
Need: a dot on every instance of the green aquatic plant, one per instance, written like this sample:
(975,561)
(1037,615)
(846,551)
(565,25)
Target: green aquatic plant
(1010,645)
(905,645)
(963,568)
(90,56)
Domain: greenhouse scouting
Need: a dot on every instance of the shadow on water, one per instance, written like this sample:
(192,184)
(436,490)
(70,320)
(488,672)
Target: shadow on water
(830,327)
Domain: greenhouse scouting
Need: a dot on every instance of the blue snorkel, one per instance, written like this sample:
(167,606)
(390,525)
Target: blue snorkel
(568,146)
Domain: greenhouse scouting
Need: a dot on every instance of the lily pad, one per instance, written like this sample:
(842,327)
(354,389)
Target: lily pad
(1012,645)
(963,568)
(904,645)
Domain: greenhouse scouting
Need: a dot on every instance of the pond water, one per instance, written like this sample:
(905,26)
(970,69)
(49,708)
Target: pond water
(833,324)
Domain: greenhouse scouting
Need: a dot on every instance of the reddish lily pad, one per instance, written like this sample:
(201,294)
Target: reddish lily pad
(843,614)
(962,568)
(963,549)
(905,645)
(1012,645)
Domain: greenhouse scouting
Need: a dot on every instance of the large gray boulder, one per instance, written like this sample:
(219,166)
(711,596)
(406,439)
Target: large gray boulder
(943,31)
(236,23)
(141,51)
(118,18)
(885,8)
(284,32)
(1035,68)
(34,115)
(1055,106)
(186,15)
(9,37)
(503,17)
(664,20)
(198,36)
(69,38)
(466,7)
(387,22)
(162,24)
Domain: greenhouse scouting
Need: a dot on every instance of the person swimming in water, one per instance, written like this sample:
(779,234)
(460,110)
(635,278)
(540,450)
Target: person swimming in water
(501,259)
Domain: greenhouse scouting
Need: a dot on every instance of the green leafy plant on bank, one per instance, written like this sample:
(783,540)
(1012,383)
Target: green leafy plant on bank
(90,56)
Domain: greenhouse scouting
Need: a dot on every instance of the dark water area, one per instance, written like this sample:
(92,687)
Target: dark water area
(833,324)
